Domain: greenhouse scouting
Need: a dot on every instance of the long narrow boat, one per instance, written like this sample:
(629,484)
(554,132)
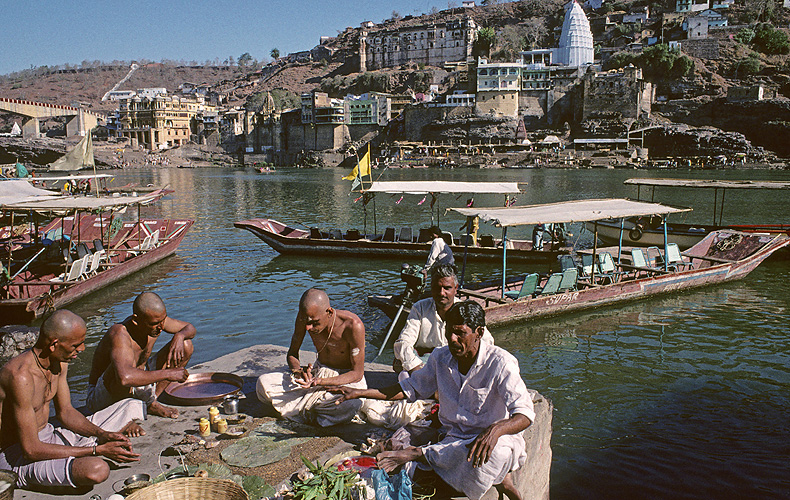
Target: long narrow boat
(644,231)
(721,256)
(75,255)
(402,242)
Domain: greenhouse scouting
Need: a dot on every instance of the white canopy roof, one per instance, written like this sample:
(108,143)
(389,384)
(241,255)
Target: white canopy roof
(69,177)
(69,203)
(425,187)
(568,211)
(19,190)
(705,183)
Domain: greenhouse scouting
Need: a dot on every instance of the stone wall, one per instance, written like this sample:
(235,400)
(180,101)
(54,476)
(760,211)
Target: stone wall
(14,339)
(703,48)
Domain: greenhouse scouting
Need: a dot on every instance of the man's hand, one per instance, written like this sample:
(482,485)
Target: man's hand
(304,377)
(481,448)
(345,393)
(177,375)
(117,451)
(177,352)
(105,437)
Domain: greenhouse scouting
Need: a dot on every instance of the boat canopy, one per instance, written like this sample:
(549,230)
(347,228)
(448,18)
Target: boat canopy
(69,177)
(705,183)
(20,191)
(568,211)
(70,203)
(436,187)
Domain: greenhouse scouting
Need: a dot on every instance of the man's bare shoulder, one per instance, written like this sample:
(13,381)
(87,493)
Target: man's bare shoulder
(118,331)
(16,371)
(352,322)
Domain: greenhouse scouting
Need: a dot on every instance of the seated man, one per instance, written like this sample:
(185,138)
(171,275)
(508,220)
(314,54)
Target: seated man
(339,338)
(424,330)
(483,407)
(72,455)
(123,366)
(440,252)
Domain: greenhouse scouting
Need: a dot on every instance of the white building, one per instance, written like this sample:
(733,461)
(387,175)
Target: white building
(576,41)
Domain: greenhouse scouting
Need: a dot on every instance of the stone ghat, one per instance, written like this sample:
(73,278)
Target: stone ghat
(533,479)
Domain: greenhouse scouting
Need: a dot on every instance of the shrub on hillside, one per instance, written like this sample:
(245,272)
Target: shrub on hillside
(744,36)
(769,40)
(747,66)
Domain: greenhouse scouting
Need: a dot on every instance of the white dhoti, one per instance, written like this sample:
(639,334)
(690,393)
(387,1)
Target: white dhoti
(312,405)
(448,459)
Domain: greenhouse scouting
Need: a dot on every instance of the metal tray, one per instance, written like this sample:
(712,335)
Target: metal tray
(203,388)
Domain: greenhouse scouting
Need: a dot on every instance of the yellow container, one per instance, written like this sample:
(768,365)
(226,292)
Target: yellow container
(222,425)
(213,415)
(204,427)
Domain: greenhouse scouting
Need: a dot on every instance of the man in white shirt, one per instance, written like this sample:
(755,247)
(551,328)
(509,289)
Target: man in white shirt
(483,407)
(424,330)
(440,252)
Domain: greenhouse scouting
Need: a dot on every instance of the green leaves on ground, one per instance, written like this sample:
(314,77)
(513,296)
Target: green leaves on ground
(327,483)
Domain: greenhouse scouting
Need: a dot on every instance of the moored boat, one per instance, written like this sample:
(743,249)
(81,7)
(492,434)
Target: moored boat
(621,276)
(75,255)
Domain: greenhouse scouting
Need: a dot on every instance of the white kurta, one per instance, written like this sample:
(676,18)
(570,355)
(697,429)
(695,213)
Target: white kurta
(491,391)
(440,254)
(424,331)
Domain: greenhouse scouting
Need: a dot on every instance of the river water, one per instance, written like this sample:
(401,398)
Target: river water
(685,396)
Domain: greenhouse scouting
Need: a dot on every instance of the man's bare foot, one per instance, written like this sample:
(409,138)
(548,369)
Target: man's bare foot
(390,460)
(157,408)
(508,488)
(132,430)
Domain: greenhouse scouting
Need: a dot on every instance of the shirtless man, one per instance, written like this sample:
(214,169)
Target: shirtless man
(339,339)
(71,455)
(123,366)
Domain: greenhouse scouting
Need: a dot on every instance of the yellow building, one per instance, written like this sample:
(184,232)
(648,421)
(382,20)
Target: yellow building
(162,120)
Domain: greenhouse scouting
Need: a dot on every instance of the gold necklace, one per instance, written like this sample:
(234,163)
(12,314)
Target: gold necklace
(44,372)
(334,317)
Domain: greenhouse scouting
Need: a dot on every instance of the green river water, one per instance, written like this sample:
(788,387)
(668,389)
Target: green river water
(681,396)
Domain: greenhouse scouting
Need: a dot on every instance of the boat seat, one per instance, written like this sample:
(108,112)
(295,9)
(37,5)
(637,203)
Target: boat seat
(447,237)
(552,285)
(353,234)
(77,269)
(608,269)
(424,235)
(389,234)
(98,246)
(654,258)
(486,240)
(95,262)
(528,287)
(82,250)
(315,233)
(406,235)
(568,282)
(67,255)
(675,260)
(586,268)
(335,234)
(566,262)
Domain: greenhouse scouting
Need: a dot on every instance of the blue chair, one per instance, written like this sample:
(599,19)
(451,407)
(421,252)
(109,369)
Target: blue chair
(527,288)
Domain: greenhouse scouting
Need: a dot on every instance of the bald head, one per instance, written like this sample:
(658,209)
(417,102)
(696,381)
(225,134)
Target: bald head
(314,299)
(60,325)
(148,304)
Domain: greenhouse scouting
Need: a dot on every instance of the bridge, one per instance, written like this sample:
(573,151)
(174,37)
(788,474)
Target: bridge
(78,120)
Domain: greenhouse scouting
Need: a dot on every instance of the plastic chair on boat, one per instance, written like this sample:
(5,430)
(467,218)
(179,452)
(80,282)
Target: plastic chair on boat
(486,240)
(654,258)
(406,235)
(675,260)
(154,239)
(552,285)
(566,262)
(608,269)
(389,234)
(74,273)
(335,234)
(424,235)
(98,245)
(353,234)
(638,260)
(315,233)
(586,268)
(528,287)
(447,237)
(95,263)
(82,250)
(568,281)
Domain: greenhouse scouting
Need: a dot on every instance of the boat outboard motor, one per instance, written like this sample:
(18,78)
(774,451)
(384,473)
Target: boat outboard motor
(415,285)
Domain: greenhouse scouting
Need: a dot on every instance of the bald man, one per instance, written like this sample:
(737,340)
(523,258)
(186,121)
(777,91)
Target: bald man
(123,366)
(71,455)
(339,339)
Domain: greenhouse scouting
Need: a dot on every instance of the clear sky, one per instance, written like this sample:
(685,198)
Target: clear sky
(52,32)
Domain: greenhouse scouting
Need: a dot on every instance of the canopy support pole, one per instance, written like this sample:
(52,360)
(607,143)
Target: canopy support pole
(11,245)
(620,246)
(375,225)
(595,251)
(666,263)
(504,260)
(466,249)
(715,203)
(721,208)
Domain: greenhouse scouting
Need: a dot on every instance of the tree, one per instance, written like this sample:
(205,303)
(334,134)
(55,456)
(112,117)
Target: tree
(747,67)
(244,59)
(485,40)
(744,36)
(682,66)
(770,41)
(275,53)
(395,16)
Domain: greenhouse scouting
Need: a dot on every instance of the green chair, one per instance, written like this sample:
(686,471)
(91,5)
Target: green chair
(527,288)
(552,285)
(568,282)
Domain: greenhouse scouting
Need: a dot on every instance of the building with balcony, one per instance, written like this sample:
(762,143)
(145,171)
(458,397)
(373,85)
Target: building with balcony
(162,121)
(498,86)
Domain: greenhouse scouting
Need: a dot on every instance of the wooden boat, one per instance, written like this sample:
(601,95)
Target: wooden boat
(721,256)
(73,256)
(403,242)
(649,231)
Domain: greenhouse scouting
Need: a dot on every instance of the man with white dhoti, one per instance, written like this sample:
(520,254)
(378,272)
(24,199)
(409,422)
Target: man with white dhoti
(299,393)
(483,407)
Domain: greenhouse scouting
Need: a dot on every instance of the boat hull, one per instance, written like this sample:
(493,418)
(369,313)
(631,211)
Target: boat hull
(299,242)
(623,291)
(23,310)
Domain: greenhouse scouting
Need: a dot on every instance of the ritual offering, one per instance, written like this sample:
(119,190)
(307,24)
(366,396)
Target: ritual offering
(204,427)
(213,415)
(203,388)
(222,426)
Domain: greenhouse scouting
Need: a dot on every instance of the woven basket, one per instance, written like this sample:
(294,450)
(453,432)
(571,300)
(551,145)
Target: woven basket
(191,488)
(9,477)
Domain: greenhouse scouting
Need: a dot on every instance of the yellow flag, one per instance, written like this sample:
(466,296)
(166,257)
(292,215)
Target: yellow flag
(362,169)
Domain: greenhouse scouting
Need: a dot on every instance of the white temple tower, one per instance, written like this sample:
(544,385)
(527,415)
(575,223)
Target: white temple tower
(576,41)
